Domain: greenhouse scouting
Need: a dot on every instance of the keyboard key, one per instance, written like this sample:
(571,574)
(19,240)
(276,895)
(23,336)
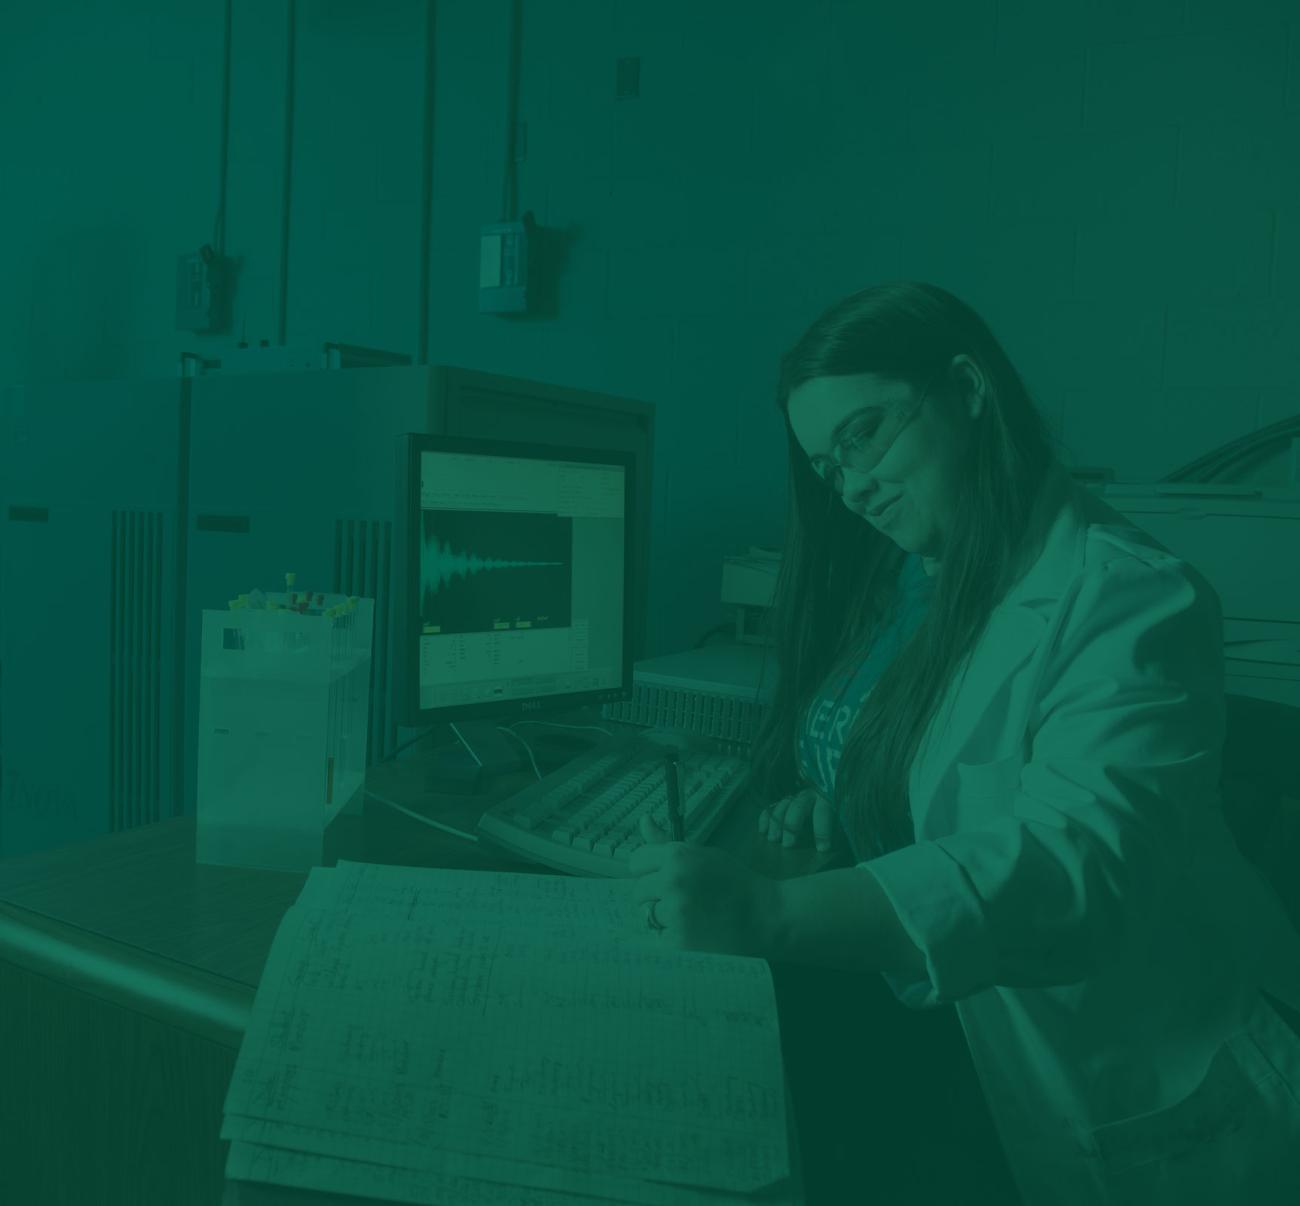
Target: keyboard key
(588,821)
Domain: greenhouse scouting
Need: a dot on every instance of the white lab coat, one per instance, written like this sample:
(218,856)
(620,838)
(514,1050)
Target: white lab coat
(1076,893)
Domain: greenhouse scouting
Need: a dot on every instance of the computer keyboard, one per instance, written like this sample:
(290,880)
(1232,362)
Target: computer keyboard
(585,817)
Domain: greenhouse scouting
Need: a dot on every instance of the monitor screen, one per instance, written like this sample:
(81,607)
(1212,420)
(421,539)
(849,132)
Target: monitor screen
(514,576)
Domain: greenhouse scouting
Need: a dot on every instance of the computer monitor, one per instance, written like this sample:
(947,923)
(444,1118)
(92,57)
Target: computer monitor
(513,589)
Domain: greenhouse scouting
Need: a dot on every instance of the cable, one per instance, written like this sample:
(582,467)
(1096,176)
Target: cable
(503,728)
(555,724)
(415,816)
(403,746)
(426,176)
(509,185)
(527,748)
(550,724)
(219,224)
(286,187)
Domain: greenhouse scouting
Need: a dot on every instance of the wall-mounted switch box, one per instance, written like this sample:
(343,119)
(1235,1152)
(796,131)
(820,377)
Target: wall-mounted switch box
(202,291)
(503,267)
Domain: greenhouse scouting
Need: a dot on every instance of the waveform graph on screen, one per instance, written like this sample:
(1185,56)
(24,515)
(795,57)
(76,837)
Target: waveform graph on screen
(495,571)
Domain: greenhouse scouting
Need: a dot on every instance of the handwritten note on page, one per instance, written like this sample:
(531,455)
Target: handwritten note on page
(506,1029)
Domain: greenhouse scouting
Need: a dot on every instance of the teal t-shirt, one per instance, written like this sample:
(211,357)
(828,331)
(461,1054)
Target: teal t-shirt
(831,713)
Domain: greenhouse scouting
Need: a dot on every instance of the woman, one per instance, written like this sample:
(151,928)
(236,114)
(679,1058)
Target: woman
(1028,695)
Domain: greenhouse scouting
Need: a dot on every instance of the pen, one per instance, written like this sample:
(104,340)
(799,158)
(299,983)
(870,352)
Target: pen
(674,800)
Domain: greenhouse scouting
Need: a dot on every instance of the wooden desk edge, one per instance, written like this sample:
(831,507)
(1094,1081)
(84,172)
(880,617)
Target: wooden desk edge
(209,1006)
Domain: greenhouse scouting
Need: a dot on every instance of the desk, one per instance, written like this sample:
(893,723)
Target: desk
(127,974)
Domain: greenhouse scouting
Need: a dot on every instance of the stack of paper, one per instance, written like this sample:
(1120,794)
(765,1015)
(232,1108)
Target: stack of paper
(466,1037)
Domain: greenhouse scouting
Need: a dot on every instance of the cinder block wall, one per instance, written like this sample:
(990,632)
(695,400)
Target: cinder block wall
(1113,185)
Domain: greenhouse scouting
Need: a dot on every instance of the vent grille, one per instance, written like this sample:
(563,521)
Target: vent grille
(135,668)
(362,558)
(731,722)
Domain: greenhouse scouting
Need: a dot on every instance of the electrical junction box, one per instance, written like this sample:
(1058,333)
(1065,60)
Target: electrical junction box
(503,268)
(202,291)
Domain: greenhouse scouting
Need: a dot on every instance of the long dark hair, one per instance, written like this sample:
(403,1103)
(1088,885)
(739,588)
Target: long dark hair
(839,576)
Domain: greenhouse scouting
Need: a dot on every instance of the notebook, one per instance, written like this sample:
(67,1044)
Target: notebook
(443,1036)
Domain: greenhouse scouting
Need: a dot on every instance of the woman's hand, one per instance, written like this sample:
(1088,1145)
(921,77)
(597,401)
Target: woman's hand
(706,900)
(786,820)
